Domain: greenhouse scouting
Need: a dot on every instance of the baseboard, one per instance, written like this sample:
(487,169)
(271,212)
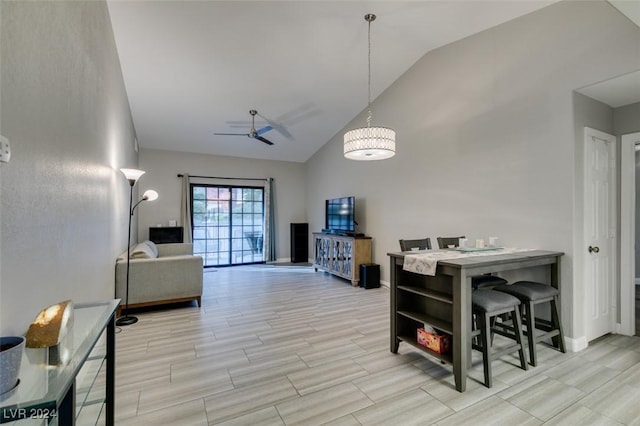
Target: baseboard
(575,345)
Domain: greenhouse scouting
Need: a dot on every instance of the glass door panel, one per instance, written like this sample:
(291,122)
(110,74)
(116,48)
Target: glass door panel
(228,224)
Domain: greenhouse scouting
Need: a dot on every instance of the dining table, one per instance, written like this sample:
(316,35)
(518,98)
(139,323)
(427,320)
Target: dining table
(435,289)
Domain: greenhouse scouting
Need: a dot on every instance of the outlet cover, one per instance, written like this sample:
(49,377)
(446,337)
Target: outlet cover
(5,150)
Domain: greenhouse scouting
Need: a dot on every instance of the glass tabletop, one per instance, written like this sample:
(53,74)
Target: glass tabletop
(44,381)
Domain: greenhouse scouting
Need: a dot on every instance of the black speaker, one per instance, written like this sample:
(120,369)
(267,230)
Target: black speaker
(369,275)
(299,242)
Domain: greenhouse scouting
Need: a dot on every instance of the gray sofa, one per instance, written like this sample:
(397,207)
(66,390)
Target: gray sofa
(159,274)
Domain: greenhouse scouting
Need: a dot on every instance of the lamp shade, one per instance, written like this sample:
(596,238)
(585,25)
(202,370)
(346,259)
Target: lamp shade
(370,143)
(150,195)
(132,174)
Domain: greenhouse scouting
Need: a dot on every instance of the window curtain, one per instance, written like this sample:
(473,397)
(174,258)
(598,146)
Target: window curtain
(185,209)
(269,249)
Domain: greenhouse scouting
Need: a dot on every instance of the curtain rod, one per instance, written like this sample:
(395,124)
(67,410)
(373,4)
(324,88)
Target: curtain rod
(219,177)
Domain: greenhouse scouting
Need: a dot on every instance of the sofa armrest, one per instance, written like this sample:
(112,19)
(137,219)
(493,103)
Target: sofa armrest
(174,249)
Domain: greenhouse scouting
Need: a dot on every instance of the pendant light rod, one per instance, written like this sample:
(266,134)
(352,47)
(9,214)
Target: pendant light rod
(369,143)
(369,17)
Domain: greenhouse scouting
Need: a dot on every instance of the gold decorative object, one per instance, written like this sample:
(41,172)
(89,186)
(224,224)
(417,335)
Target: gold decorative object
(50,326)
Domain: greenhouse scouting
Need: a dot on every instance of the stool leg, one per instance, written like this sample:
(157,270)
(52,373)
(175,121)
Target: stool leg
(486,348)
(558,341)
(531,332)
(517,326)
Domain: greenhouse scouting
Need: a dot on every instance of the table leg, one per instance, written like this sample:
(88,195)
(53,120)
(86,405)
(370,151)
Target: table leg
(394,343)
(554,279)
(110,398)
(461,329)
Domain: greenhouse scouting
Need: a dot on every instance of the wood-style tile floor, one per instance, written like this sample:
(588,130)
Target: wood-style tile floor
(287,345)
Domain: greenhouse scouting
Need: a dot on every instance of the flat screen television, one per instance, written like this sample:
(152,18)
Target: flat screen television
(340,214)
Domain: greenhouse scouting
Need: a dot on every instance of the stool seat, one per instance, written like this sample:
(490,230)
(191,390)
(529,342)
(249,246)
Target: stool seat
(538,329)
(480,281)
(492,301)
(487,305)
(528,290)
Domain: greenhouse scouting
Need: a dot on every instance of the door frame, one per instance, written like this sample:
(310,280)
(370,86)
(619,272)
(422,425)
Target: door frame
(627,299)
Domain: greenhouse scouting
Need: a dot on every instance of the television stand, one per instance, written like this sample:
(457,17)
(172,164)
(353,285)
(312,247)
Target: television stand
(341,255)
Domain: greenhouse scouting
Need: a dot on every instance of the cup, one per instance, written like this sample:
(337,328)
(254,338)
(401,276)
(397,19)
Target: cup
(479,243)
(11,348)
(462,242)
(493,241)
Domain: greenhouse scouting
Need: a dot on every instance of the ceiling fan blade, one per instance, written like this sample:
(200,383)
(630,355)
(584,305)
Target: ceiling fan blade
(264,130)
(232,134)
(277,126)
(260,138)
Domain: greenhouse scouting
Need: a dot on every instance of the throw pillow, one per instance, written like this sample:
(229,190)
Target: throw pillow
(152,247)
(143,251)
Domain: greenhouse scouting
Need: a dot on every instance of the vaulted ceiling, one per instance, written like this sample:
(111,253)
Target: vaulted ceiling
(195,68)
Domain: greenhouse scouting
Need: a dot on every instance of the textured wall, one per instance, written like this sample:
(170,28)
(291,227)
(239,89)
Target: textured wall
(63,202)
(486,141)
(163,166)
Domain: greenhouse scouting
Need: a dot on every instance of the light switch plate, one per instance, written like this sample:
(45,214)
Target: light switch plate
(5,150)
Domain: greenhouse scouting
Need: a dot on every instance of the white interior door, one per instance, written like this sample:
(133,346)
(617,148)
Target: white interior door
(599,232)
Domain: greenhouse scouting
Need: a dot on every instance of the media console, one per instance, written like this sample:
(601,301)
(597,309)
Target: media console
(341,254)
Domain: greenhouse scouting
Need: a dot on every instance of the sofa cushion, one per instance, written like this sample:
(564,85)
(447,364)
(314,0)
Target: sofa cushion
(144,250)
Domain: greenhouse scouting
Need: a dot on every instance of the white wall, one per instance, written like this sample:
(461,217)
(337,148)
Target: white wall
(162,168)
(485,138)
(66,114)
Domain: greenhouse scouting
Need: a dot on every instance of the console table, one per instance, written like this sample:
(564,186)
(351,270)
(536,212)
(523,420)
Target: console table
(444,300)
(64,394)
(341,255)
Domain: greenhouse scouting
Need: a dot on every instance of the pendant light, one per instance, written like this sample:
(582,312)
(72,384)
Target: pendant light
(370,143)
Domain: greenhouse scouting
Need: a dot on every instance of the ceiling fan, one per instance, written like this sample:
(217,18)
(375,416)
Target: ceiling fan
(253,133)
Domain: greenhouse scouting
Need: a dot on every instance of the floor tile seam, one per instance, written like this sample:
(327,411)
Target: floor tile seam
(389,397)
(588,408)
(570,404)
(586,394)
(175,404)
(447,404)
(530,414)
(164,408)
(352,413)
(254,409)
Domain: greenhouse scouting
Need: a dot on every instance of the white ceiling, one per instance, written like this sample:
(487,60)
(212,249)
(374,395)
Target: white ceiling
(193,68)
(625,89)
(616,92)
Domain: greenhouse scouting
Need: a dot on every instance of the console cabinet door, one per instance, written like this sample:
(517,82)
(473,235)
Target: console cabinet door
(341,255)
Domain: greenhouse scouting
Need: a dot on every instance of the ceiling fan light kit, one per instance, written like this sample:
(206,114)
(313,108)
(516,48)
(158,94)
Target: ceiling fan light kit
(370,143)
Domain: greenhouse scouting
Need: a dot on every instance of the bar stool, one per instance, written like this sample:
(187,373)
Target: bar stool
(530,294)
(487,305)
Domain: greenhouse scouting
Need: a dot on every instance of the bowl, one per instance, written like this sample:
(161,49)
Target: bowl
(11,348)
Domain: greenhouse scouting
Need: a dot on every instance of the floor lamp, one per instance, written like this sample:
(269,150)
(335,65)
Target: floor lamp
(132,176)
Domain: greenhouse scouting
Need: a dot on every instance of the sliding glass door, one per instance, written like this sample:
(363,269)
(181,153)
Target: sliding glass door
(228,224)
